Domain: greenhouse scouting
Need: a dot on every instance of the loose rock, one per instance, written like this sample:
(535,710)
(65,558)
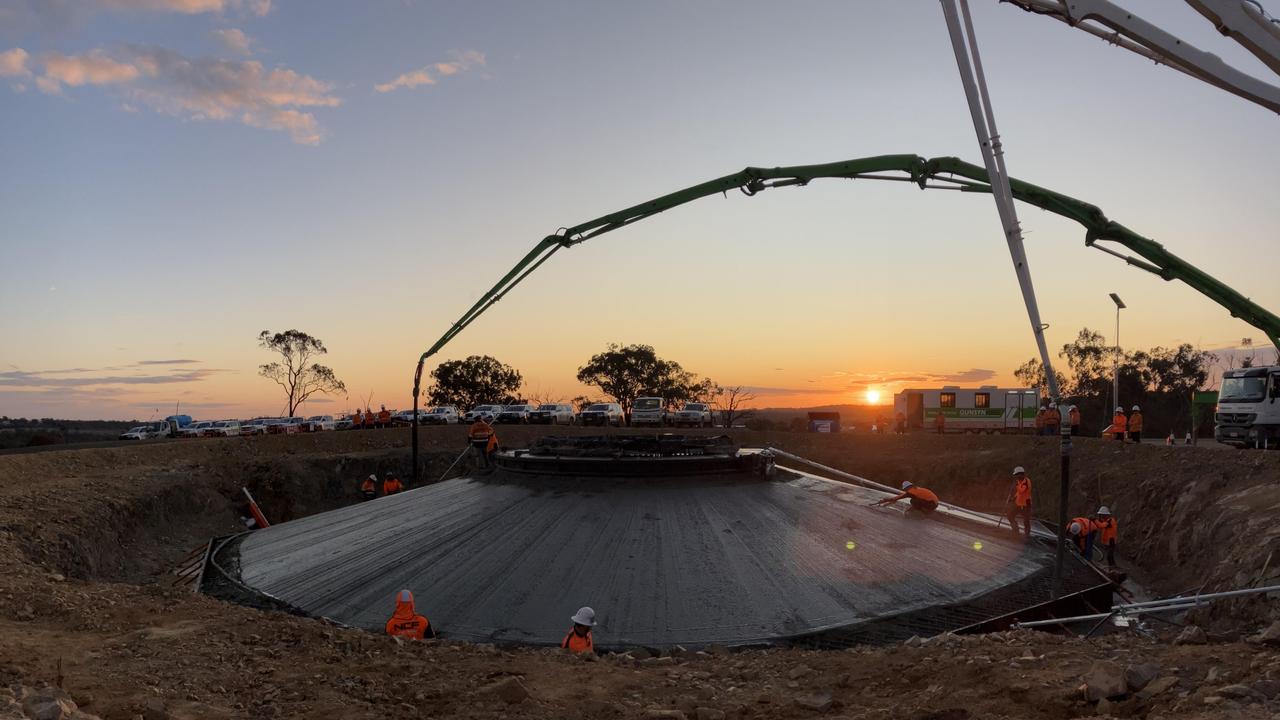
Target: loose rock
(1105,680)
(1192,635)
(1138,677)
(510,690)
(819,701)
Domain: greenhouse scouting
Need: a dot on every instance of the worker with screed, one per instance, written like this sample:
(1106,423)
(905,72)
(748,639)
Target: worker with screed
(1021,501)
(923,500)
(483,440)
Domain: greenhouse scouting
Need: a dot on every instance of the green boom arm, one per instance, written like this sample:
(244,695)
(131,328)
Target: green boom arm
(942,173)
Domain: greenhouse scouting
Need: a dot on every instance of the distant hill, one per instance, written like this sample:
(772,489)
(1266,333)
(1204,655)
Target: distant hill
(855,415)
(24,432)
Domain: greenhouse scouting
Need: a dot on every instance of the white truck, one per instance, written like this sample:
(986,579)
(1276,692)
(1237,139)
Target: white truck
(1248,413)
(693,414)
(649,411)
(987,408)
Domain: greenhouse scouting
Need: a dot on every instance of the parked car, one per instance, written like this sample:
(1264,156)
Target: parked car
(693,415)
(343,423)
(603,414)
(482,412)
(438,415)
(649,411)
(141,432)
(223,428)
(284,426)
(317,423)
(256,426)
(552,414)
(514,414)
(195,429)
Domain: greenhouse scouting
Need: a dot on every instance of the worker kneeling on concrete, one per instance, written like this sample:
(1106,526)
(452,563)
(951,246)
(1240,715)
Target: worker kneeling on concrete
(391,484)
(483,440)
(1108,530)
(579,638)
(922,499)
(406,622)
(1081,531)
(1021,506)
(369,488)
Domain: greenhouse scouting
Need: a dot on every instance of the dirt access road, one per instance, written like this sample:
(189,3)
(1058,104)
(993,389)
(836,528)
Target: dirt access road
(87,538)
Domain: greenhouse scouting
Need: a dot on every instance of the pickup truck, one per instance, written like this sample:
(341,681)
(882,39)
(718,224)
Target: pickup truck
(603,414)
(515,414)
(552,414)
(142,432)
(317,423)
(195,430)
(649,411)
(693,415)
(482,412)
(284,426)
(222,428)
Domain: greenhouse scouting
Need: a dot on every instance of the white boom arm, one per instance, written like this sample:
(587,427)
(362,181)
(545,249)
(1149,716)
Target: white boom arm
(1244,21)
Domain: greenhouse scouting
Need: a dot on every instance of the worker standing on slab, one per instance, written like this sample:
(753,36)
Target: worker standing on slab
(483,440)
(405,622)
(369,488)
(1119,424)
(391,484)
(1108,530)
(1052,420)
(1021,501)
(1081,531)
(922,499)
(1073,417)
(579,639)
(1135,425)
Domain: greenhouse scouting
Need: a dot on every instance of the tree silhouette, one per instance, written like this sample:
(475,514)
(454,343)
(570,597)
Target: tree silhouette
(294,372)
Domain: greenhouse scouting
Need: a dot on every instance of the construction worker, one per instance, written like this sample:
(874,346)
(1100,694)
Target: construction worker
(1119,423)
(369,488)
(384,417)
(368,419)
(1021,506)
(922,499)
(483,440)
(939,422)
(1135,425)
(579,639)
(901,420)
(1052,420)
(1041,414)
(1107,529)
(1081,531)
(1073,417)
(391,484)
(405,622)
(355,420)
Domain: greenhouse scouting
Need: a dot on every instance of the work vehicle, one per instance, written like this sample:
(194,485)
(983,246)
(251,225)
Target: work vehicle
(693,415)
(284,426)
(482,412)
(1248,413)
(514,414)
(438,415)
(603,414)
(317,423)
(256,426)
(222,428)
(552,414)
(649,411)
(142,432)
(343,423)
(987,408)
(195,429)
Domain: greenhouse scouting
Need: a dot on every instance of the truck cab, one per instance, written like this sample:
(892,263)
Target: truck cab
(1248,413)
(649,411)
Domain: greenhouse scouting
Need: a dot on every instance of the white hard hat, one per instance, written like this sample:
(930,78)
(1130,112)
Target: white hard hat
(906,484)
(1135,407)
(1119,409)
(1053,405)
(1104,510)
(373,476)
(585,616)
(1019,470)
(1074,528)
(404,596)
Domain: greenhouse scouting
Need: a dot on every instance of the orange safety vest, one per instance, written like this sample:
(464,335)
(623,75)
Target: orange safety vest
(920,493)
(1022,492)
(1040,418)
(1107,530)
(384,416)
(939,420)
(1075,416)
(481,430)
(405,622)
(573,642)
(1119,422)
(355,419)
(1135,422)
(1053,417)
(1086,527)
(368,417)
(392,486)
(368,486)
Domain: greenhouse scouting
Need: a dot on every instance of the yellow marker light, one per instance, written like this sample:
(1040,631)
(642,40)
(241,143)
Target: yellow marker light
(850,545)
(977,544)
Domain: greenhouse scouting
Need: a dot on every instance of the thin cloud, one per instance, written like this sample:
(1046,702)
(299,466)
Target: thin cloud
(19,379)
(199,89)
(971,375)
(167,362)
(233,40)
(13,63)
(188,7)
(431,74)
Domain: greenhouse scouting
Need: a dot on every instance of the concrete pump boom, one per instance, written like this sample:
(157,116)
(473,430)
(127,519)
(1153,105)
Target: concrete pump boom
(948,173)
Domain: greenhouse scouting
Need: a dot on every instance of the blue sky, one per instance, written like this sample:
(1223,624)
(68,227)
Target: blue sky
(166,198)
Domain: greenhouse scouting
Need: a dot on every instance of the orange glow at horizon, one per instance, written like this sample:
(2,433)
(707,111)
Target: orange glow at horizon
(873,397)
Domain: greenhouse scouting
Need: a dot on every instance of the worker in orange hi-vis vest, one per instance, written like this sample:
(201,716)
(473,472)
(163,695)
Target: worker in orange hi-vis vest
(579,639)
(355,419)
(1108,530)
(1021,501)
(384,417)
(1135,425)
(922,500)
(406,622)
(939,421)
(1119,424)
(1073,417)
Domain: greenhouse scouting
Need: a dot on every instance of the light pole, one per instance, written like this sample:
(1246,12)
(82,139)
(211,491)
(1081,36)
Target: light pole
(1115,362)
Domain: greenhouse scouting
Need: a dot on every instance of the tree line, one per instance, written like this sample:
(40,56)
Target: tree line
(620,373)
(1160,380)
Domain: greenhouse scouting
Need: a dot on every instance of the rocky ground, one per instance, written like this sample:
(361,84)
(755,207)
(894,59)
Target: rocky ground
(90,626)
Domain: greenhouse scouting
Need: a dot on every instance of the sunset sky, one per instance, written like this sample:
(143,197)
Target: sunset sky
(178,175)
